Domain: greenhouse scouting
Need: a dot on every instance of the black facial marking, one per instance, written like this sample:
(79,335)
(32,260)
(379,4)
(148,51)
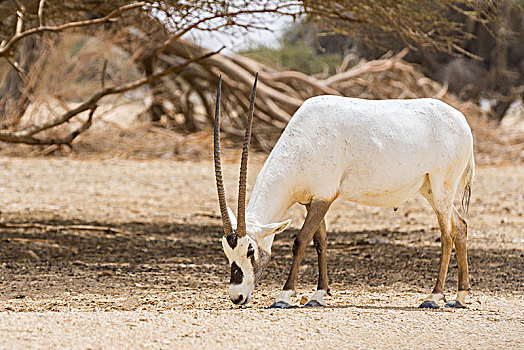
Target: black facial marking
(232,239)
(236,274)
(250,251)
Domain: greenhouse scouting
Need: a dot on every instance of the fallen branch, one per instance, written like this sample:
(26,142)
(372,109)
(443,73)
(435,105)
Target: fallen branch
(47,227)
(6,47)
(375,66)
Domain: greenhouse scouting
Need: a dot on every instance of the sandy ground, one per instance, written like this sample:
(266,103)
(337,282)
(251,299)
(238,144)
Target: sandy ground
(146,269)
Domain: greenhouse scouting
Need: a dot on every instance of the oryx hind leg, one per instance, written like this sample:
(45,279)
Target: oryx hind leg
(439,192)
(317,210)
(460,227)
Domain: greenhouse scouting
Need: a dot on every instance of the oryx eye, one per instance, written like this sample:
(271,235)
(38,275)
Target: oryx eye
(250,251)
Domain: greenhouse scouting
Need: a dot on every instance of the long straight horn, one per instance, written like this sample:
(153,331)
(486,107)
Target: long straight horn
(241,220)
(218,167)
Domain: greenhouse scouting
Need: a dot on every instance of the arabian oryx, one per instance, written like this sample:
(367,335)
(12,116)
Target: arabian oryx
(377,153)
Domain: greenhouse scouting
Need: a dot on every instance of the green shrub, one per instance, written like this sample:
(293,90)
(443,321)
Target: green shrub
(295,56)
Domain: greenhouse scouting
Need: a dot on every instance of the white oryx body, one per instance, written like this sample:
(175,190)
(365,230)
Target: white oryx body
(371,152)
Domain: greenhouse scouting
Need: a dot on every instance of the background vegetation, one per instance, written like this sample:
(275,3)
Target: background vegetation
(68,64)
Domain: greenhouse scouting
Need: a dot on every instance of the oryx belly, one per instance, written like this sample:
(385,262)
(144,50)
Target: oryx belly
(381,196)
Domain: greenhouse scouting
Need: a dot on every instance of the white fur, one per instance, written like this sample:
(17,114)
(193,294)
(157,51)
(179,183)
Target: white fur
(371,152)
(239,256)
(435,297)
(318,296)
(285,296)
(232,218)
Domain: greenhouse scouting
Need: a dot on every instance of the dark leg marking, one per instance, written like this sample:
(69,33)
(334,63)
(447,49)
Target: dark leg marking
(317,210)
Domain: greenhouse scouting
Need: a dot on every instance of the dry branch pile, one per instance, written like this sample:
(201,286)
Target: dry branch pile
(280,94)
(187,101)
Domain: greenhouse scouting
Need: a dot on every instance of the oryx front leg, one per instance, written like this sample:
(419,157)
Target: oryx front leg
(317,210)
(320,241)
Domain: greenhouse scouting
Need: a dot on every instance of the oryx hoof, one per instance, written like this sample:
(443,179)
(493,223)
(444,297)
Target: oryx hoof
(313,303)
(428,304)
(281,305)
(455,304)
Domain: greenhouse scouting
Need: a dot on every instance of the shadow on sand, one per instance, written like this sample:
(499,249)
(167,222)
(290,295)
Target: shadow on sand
(355,259)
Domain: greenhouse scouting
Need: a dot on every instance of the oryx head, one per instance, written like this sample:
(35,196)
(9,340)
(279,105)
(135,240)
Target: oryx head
(247,245)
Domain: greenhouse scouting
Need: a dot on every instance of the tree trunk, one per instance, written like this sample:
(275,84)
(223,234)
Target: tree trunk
(15,90)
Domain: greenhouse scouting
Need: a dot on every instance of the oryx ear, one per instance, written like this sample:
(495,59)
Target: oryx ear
(232,218)
(275,228)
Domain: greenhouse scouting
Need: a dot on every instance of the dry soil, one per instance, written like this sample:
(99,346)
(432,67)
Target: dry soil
(125,254)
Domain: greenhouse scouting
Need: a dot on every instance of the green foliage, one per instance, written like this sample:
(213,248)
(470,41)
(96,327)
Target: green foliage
(295,55)
(298,57)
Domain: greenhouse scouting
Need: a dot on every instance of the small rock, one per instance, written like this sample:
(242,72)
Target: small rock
(31,255)
(106,273)
(304,300)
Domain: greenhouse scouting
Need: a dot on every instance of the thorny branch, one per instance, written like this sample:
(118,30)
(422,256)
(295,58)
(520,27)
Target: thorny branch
(27,135)
(6,47)
(47,227)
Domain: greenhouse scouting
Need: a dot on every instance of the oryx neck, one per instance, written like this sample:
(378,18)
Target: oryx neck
(270,200)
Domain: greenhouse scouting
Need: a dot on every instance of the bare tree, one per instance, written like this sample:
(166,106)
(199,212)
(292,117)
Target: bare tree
(152,32)
(22,52)
(164,22)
